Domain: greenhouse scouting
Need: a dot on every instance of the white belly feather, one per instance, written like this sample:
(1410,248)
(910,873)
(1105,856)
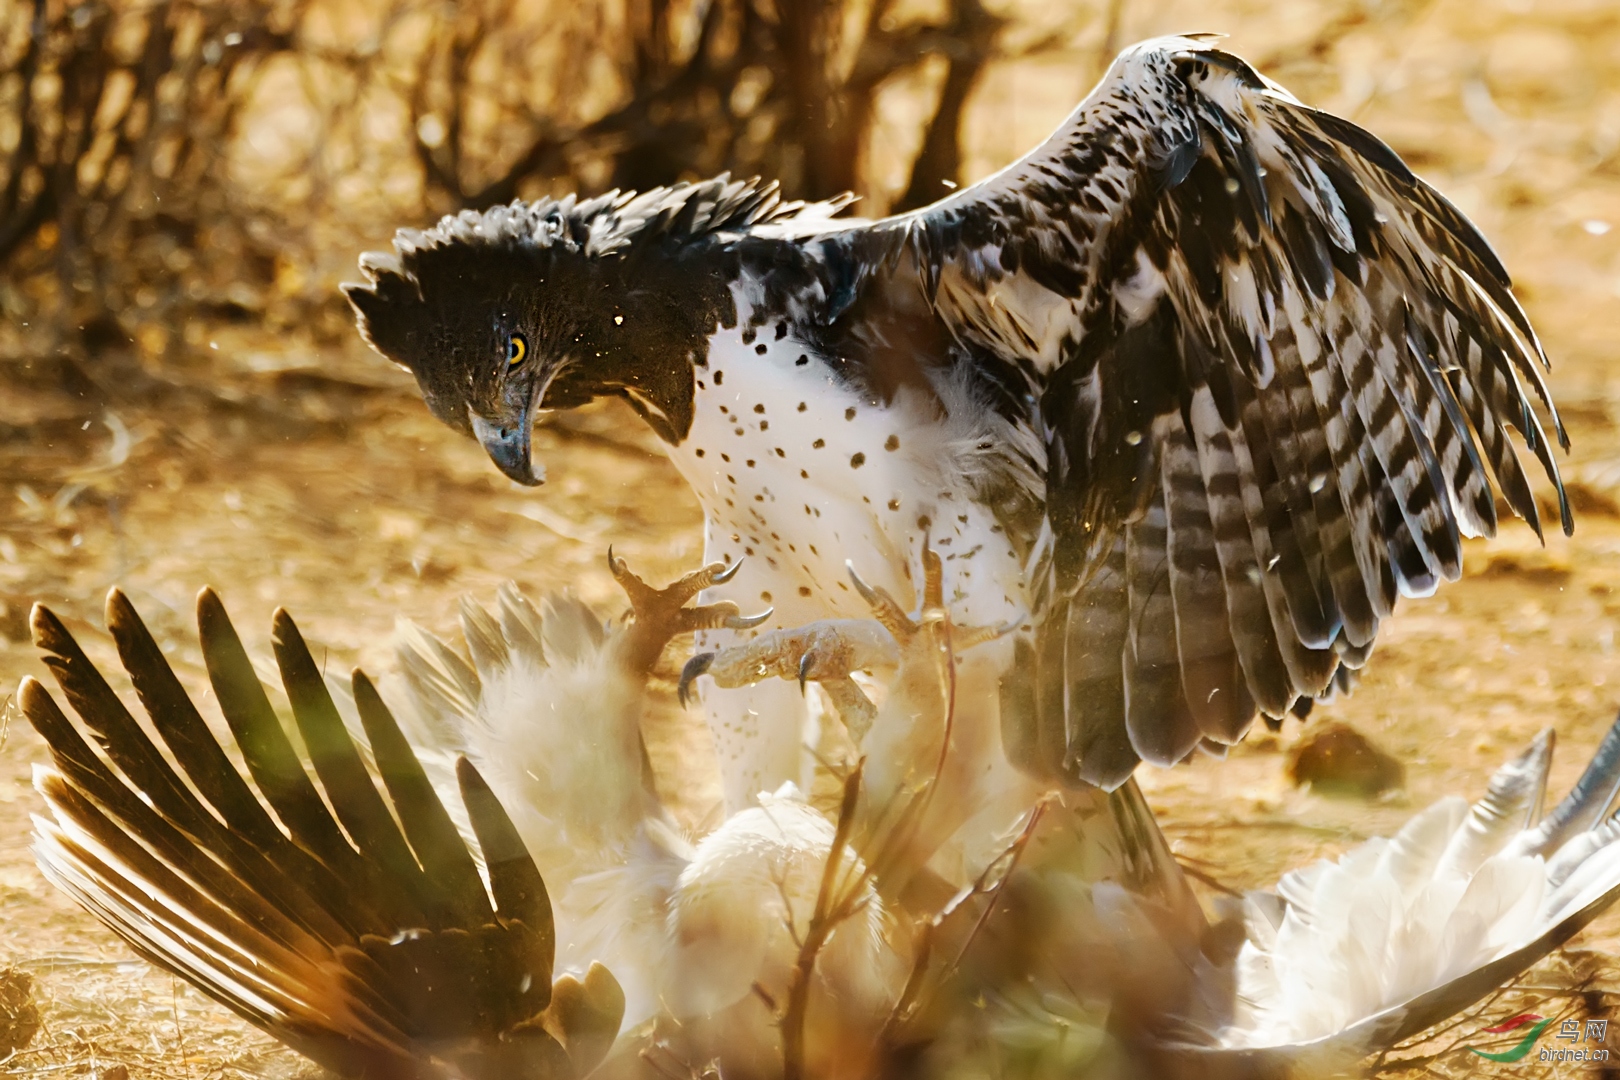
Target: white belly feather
(799,473)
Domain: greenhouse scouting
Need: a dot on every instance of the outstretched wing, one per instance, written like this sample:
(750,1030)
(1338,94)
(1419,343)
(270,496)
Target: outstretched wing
(1275,372)
(357,931)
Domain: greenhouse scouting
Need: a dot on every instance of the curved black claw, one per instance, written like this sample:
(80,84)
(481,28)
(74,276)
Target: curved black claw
(870,595)
(884,608)
(804,669)
(747,622)
(728,573)
(692,669)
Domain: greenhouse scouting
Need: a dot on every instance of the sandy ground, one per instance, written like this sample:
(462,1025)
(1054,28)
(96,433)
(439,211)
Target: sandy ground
(337,497)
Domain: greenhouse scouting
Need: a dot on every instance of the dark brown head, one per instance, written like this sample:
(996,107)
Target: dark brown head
(547,305)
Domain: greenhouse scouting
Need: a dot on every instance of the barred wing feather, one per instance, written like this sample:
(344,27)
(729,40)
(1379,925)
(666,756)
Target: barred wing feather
(1274,373)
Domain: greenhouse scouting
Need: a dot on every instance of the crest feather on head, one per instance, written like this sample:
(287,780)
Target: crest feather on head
(470,242)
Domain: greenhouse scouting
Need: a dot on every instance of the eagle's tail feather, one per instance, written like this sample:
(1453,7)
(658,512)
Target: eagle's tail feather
(1089,678)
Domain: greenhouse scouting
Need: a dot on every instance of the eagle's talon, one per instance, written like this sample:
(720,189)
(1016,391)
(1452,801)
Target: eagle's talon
(689,672)
(884,607)
(963,638)
(713,574)
(621,572)
(748,622)
(657,615)
(933,612)
(873,597)
(824,652)
(677,593)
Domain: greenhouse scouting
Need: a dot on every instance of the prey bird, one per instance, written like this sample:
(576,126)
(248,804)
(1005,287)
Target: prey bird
(1189,397)
(416,931)
(1345,959)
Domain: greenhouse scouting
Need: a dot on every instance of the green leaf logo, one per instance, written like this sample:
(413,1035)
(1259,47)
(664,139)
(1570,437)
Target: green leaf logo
(1523,1048)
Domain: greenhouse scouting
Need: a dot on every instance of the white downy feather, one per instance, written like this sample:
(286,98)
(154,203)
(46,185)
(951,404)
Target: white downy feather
(550,714)
(1334,957)
(749,894)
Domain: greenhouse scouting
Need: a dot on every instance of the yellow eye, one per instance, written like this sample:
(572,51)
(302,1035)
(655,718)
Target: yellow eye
(517,349)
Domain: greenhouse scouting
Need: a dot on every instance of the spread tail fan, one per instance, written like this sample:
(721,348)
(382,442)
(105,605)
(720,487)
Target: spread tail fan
(1350,958)
(355,928)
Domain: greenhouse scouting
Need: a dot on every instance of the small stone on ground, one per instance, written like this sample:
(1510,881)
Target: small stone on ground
(1336,759)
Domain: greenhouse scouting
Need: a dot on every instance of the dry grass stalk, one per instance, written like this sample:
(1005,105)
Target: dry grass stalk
(838,898)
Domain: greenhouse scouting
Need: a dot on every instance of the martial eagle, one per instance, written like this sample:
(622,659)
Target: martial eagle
(1191,394)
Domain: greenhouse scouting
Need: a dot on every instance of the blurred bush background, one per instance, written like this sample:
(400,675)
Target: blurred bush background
(183,184)
(170,166)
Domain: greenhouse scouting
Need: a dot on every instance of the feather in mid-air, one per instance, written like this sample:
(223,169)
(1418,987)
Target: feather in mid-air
(1193,393)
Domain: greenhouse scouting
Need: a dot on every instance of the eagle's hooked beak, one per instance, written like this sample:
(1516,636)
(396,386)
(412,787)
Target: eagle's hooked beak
(508,448)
